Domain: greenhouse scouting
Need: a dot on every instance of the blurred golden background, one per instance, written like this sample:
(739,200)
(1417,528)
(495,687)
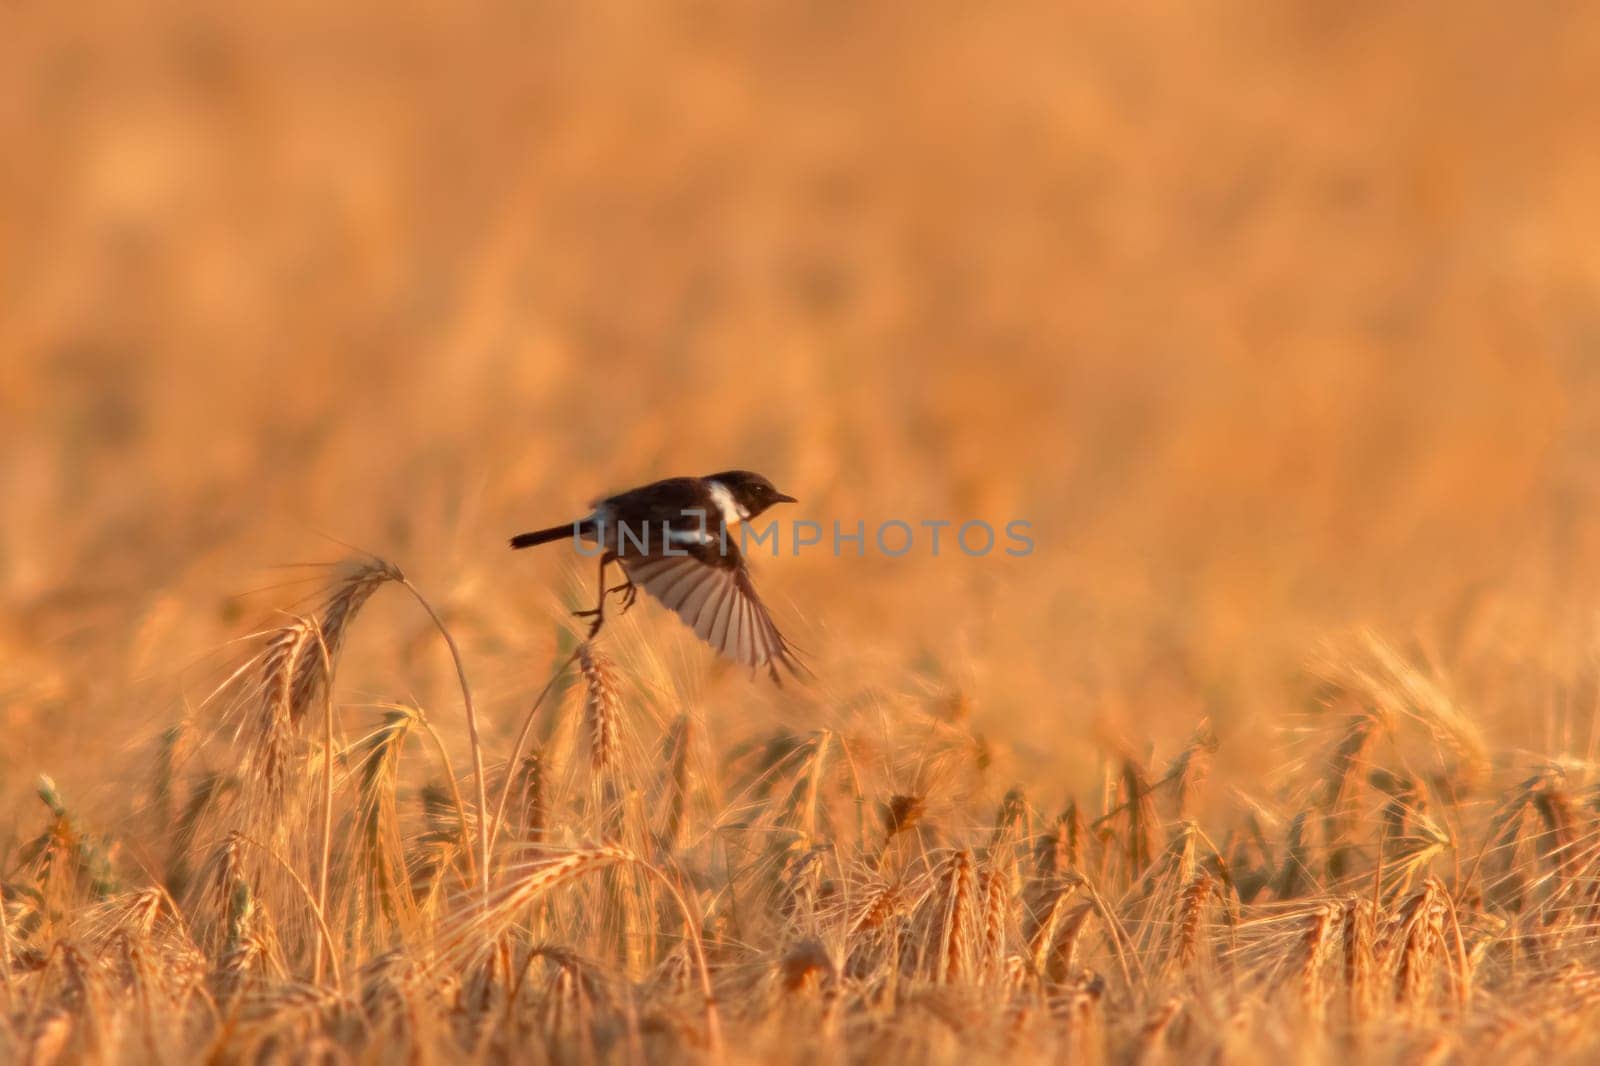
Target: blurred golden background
(1277,321)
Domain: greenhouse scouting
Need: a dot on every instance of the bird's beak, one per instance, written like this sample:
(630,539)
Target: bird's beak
(781,498)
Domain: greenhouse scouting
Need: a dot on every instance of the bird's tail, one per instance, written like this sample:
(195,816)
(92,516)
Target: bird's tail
(545,536)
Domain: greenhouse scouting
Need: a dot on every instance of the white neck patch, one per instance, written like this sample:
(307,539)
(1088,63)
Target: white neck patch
(732,513)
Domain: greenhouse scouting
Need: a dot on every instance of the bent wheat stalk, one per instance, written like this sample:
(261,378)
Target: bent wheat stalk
(317,911)
(450,783)
(327,805)
(473,738)
(522,743)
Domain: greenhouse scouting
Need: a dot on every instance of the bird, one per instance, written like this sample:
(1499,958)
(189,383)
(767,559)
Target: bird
(675,538)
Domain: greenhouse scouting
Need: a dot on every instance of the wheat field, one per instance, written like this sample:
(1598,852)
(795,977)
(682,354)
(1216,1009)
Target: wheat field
(1279,325)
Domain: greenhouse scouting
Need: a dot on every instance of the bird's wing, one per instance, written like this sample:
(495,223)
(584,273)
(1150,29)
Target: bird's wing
(710,588)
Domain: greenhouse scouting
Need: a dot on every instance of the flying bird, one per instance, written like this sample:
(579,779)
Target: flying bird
(676,538)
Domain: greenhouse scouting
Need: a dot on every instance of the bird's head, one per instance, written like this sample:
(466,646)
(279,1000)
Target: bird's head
(752,492)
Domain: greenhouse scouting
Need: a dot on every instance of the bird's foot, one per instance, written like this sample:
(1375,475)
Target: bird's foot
(630,592)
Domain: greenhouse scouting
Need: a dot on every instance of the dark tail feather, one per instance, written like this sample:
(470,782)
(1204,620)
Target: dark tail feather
(545,536)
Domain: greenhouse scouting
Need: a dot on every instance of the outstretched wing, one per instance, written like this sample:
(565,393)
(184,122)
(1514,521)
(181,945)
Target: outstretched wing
(710,588)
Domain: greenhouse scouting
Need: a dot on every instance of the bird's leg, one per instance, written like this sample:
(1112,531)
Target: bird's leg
(629,590)
(599,611)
